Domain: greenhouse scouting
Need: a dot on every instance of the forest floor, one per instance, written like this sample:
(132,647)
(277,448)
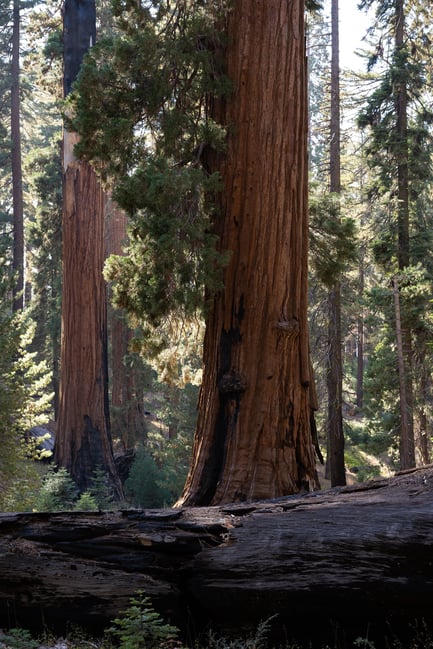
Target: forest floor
(379,466)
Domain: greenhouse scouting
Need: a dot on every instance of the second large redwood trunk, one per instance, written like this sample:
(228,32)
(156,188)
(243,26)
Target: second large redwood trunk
(83,441)
(253,437)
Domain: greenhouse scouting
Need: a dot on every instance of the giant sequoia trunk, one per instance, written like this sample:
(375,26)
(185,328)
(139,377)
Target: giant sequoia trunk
(253,436)
(354,557)
(83,440)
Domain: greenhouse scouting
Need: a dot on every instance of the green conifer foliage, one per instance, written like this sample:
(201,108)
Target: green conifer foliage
(24,403)
(332,239)
(142,486)
(395,66)
(141,626)
(58,491)
(140,107)
(45,241)
(397,119)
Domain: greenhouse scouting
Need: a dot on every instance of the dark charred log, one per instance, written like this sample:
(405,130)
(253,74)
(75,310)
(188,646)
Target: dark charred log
(353,557)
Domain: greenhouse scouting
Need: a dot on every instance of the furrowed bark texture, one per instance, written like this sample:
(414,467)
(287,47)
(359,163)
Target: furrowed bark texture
(83,440)
(253,435)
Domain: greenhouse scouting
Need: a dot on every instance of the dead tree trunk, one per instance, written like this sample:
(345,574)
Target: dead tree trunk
(355,557)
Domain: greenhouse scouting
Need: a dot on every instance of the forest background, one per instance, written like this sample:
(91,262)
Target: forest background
(383,271)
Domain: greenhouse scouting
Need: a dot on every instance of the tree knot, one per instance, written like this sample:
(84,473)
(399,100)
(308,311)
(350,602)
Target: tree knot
(232,381)
(291,327)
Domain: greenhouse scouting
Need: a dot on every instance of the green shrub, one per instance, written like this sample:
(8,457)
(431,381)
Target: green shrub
(18,639)
(142,486)
(142,627)
(100,489)
(86,502)
(58,491)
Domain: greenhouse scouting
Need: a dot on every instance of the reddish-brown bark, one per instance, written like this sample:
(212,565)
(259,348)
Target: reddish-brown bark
(83,440)
(253,436)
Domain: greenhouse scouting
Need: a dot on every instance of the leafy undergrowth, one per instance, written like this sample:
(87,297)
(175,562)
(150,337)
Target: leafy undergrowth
(141,627)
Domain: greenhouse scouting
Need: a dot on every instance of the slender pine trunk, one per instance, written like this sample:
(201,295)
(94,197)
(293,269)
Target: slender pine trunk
(360,343)
(335,432)
(17,180)
(407,449)
(407,444)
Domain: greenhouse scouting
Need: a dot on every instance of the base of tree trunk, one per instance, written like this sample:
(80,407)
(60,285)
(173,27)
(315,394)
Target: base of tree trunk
(357,558)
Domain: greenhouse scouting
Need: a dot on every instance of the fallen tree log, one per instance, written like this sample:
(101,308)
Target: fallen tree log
(355,557)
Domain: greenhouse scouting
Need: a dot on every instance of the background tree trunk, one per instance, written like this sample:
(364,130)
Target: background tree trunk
(17,179)
(335,459)
(253,436)
(407,443)
(407,450)
(83,439)
(360,332)
(127,416)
